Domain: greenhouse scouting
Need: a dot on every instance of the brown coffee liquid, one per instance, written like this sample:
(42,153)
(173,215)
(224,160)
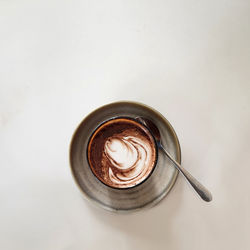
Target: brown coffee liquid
(121,153)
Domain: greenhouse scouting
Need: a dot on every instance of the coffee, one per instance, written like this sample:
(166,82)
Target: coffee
(122,153)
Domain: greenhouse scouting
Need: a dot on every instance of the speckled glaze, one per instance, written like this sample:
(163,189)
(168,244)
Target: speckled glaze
(141,196)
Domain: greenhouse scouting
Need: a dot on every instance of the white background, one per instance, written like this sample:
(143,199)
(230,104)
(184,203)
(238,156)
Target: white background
(61,59)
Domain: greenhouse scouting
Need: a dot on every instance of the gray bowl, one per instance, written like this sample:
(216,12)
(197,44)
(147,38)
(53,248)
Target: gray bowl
(148,193)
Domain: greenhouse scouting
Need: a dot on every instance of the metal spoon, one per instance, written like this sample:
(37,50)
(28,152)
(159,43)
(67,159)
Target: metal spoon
(199,188)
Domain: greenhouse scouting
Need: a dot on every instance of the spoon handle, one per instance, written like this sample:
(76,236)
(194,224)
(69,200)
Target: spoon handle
(199,188)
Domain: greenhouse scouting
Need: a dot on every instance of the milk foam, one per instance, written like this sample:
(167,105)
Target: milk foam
(130,157)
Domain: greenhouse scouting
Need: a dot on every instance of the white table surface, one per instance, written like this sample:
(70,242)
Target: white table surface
(61,59)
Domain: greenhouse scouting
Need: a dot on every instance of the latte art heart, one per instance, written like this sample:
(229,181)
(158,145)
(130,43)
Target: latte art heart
(129,158)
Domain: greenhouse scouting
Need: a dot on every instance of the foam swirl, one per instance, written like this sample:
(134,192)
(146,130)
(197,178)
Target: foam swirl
(130,159)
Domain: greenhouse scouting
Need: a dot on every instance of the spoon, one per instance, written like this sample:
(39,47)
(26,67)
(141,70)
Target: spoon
(199,188)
